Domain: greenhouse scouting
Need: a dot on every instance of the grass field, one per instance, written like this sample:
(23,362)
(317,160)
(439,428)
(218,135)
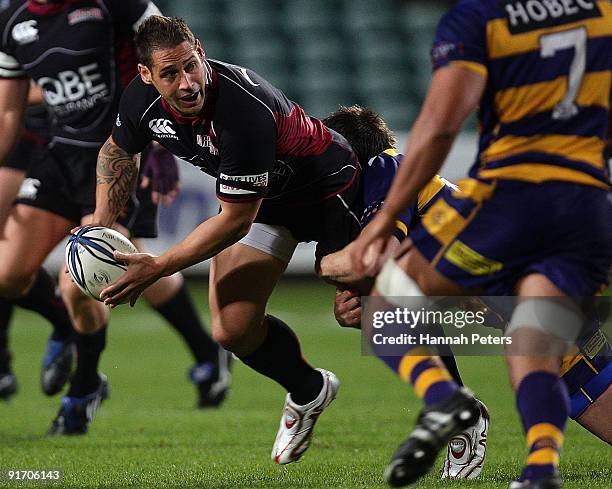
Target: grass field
(148,435)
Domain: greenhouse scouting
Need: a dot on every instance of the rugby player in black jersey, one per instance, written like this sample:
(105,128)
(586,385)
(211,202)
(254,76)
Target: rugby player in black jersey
(81,55)
(282,177)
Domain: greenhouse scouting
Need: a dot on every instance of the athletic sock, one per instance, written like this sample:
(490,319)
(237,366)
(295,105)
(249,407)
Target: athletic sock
(450,363)
(421,367)
(6,311)
(424,370)
(42,298)
(280,358)
(543,404)
(180,312)
(446,354)
(85,379)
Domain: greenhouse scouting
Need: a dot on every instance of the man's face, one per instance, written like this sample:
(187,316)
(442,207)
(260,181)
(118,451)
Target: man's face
(178,75)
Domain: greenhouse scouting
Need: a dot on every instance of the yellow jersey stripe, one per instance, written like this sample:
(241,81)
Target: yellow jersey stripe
(478,68)
(569,362)
(586,360)
(429,191)
(536,173)
(544,430)
(477,191)
(443,222)
(518,102)
(501,42)
(585,149)
(402,227)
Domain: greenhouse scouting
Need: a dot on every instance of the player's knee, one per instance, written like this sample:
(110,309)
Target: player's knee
(15,282)
(69,291)
(88,316)
(236,332)
(229,339)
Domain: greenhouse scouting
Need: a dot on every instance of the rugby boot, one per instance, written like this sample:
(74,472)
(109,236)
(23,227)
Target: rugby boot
(552,481)
(466,451)
(8,385)
(76,413)
(297,422)
(213,379)
(435,426)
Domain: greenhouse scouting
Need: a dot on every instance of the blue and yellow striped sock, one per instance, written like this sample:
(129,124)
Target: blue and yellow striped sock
(424,370)
(543,403)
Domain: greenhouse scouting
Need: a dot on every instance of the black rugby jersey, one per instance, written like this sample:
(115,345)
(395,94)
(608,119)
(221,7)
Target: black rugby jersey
(80,53)
(37,123)
(255,141)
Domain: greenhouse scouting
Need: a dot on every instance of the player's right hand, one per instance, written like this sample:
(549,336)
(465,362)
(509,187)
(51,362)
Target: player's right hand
(347,308)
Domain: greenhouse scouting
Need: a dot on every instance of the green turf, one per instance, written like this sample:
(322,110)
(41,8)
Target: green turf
(148,435)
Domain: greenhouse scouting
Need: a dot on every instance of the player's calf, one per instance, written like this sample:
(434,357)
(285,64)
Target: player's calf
(56,366)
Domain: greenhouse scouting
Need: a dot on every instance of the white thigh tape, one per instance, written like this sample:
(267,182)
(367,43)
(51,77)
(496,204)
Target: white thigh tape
(276,241)
(548,315)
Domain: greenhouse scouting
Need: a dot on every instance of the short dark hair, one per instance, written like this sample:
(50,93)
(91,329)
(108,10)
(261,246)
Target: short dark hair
(364,129)
(159,32)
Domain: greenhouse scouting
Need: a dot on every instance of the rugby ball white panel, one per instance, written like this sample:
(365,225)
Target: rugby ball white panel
(90,261)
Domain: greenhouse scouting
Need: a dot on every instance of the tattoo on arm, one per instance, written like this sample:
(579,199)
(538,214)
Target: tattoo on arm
(118,171)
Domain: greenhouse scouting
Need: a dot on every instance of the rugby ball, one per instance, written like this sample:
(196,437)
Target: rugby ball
(90,260)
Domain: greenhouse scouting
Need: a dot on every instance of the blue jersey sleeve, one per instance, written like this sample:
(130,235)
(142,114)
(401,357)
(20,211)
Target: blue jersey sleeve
(377,180)
(461,37)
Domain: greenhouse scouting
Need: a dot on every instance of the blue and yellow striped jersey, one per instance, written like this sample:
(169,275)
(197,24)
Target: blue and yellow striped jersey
(548,63)
(377,178)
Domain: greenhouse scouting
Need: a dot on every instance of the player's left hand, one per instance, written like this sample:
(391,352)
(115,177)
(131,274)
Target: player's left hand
(162,174)
(347,308)
(143,270)
(371,244)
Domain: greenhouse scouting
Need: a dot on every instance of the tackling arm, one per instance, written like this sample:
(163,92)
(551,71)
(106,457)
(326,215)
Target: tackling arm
(336,268)
(116,172)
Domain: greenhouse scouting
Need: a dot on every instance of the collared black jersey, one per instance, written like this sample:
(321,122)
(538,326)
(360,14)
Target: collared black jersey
(255,141)
(80,53)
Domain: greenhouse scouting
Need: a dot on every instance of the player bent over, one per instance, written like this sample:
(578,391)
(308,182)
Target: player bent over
(538,158)
(374,144)
(282,177)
